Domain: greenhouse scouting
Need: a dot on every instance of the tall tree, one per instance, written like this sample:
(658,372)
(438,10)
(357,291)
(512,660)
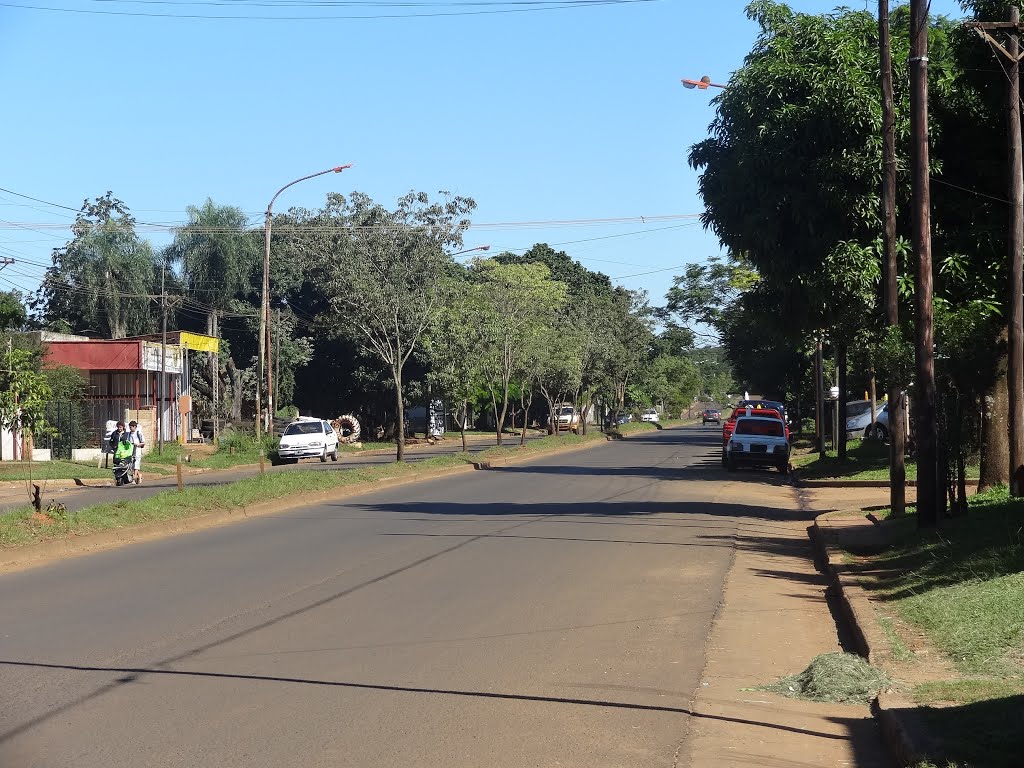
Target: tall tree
(103,279)
(216,255)
(514,302)
(385,274)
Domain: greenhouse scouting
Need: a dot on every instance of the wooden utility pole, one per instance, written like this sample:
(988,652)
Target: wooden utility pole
(897,429)
(1015,242)
(928,495)
(819,395)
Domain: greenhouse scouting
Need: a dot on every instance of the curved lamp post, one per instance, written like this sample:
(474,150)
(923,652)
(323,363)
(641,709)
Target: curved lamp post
(264,339)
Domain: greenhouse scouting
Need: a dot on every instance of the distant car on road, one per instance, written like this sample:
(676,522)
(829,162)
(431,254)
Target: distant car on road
(650,415)
(615,418)
(711,414)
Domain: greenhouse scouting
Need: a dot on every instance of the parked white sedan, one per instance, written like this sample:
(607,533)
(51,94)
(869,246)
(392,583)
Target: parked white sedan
(651,414)
(308,438)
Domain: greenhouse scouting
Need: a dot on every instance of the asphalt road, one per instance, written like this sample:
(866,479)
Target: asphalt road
(96,491)
(548,614)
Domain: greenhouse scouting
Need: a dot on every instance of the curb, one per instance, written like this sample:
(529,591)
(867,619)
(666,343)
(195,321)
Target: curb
(32,555)
(840,483)
(505,460)
(902,728)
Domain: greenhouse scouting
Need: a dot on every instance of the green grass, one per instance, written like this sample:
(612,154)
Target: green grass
(962,586)
(865,460)
(966,691)
(19,527)
(55,470)
(511,446)
(897,647)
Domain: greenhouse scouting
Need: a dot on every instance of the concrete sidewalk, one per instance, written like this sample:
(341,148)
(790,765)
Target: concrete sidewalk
(773,619)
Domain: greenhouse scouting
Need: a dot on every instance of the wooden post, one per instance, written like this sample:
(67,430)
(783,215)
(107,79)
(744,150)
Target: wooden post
(181,480)
(897,431)
(819,394)
(924,354)
(1015,368)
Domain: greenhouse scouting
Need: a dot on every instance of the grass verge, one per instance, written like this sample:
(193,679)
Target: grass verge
(962,586)
(865,460)
(41,471)
(22,527)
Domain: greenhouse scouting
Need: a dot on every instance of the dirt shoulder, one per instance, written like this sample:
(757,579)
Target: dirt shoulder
(939,612)
(773,619)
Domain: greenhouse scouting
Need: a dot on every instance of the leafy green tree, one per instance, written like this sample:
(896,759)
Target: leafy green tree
(514,303)
(24,392)
(216,255)
(12,310)
(103,279)
(454,346)
(385,274)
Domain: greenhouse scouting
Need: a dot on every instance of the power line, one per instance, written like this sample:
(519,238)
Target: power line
(559,6)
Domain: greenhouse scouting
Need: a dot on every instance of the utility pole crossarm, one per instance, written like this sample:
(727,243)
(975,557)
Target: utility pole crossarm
(998,46)
(993,25)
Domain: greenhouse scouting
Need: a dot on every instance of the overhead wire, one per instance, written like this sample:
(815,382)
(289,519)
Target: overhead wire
(552,6)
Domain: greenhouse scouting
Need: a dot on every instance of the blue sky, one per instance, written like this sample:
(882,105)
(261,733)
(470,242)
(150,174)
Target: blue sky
(570,115)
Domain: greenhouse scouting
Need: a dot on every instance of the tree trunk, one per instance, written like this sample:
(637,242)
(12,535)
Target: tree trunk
(494,410)
(504,410)
(396,373)
(462,424)
(995,437)
(236,391)
(527,402)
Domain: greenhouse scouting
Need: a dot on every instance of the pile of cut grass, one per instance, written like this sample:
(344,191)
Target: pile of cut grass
(842,678)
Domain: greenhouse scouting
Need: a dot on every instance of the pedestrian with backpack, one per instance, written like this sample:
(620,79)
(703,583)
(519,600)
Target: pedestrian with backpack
(139,442)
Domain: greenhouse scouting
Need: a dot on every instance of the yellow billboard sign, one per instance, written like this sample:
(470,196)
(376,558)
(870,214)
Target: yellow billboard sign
(197,342)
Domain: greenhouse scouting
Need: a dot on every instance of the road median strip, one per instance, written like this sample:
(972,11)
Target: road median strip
(29,538)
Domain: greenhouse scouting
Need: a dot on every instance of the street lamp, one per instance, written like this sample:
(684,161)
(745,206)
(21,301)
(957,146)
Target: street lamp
(704,83)
(470,250)
(264,339)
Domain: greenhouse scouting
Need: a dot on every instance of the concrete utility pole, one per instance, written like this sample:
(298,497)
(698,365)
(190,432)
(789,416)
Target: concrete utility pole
(163,364)
(928,491)
(264,365)
(897,429)
(1015,241)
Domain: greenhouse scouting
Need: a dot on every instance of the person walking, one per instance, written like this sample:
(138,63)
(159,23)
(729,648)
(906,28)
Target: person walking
(123,450)
(139,442)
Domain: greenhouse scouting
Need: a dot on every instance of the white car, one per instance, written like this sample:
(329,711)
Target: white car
(308,438)
(568,418)
(651,414)
(758,441)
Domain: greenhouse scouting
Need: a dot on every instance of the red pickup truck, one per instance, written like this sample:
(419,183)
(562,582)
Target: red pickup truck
(751,410)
